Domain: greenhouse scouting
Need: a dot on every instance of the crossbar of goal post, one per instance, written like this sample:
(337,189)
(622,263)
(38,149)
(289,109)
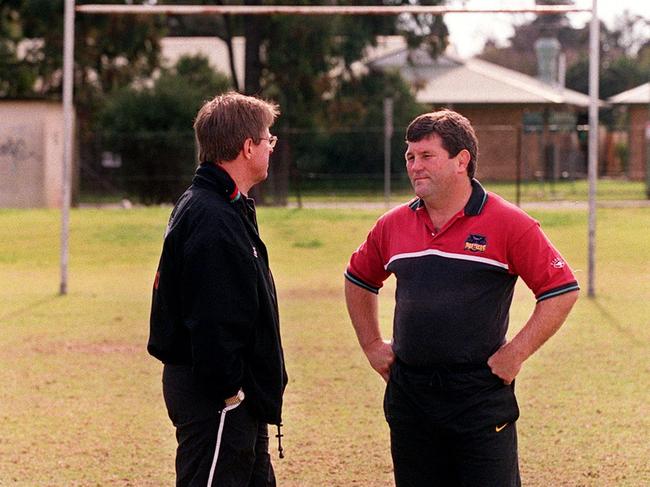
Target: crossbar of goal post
(332,10)
(314,10)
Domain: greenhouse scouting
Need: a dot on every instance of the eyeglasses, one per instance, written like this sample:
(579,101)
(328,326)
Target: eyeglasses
(273,139)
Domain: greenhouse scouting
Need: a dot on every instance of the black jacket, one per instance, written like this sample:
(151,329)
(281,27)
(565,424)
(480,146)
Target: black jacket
(214,303)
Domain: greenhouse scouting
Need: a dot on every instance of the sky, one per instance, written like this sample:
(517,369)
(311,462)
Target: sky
(468,32)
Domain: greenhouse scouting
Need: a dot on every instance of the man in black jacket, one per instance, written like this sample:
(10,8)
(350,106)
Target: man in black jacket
(214,315)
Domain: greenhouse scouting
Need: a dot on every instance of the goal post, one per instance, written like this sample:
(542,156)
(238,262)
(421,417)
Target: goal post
(314,10)
(107,9)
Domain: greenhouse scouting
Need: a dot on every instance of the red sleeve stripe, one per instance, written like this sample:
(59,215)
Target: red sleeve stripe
(355,280)
(572,286)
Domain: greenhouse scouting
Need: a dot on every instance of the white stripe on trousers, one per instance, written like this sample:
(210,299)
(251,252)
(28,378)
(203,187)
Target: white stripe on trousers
(222,420)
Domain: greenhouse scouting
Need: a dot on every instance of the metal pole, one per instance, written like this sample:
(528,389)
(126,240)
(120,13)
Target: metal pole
(646,136)
(68,76)
(519,130)
(314,10)
(388,134)
(594,46)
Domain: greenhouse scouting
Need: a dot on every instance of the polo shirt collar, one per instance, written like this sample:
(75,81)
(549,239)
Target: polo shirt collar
(476,200)
(474,205)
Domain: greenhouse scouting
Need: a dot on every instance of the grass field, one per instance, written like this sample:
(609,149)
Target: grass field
(355,189)
(81,405)
(345,188)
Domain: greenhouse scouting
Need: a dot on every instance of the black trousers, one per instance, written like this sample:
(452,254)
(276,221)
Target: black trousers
(216,446)
(452,427)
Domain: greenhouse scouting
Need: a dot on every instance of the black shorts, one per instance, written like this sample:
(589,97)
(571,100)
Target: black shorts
(452,427)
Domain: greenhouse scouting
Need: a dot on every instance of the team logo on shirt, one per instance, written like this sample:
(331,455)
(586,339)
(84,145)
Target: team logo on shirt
(476,243)
(557,263)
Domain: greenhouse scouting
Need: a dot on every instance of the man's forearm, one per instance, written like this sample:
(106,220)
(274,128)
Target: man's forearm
(363,309)
(545,321)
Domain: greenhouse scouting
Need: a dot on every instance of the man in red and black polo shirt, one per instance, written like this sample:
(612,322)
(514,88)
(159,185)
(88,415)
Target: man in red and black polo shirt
(456,252)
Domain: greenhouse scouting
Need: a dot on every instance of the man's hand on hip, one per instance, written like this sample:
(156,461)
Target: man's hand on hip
(506,363)
(380,355)
(546,319)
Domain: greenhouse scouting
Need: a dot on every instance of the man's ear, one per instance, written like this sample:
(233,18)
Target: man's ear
(463,158)
(247,150)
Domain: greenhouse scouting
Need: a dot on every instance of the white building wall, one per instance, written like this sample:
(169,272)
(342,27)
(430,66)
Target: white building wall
(31,154)
(213,48)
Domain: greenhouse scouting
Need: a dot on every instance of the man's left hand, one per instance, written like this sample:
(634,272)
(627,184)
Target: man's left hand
(505,363)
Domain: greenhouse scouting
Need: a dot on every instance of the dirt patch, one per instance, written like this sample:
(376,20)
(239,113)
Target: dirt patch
(94,348)
(309,293)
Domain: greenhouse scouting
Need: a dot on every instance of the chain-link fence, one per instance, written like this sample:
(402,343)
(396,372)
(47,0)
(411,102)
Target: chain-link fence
(535,160)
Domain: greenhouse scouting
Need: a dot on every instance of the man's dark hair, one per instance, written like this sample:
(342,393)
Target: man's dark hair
(225,122)
(454,130)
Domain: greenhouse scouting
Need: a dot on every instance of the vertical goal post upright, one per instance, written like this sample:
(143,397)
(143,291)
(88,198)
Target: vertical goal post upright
(113,9)
(68,135)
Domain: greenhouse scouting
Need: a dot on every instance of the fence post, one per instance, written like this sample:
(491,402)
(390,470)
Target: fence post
(519,130)
(594,52)
(646,135)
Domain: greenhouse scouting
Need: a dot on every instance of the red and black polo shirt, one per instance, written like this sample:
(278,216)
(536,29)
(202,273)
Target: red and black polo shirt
(455,287)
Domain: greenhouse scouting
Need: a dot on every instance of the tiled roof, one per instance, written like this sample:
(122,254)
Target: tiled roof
(448,79)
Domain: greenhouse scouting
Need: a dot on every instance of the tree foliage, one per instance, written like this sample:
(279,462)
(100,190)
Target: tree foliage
(110,51)
(151,128)
(16,77)
(301,62)
(622,51)
(354,118)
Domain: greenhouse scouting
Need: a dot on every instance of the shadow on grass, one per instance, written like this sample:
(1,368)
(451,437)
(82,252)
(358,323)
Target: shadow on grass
(28,307)
(616,324)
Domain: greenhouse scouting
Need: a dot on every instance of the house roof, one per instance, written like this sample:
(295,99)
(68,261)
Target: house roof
(638,95)
(449,79)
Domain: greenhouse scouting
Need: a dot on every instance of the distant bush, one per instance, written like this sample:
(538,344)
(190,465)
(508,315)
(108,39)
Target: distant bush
(352,138)
(150,128)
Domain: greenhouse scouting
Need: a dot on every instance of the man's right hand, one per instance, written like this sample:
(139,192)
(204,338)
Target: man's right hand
(363,308)
(235,400)
(381,356)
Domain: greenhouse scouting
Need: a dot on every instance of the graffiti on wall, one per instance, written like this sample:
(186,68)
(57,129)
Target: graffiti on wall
(13,151)
(21,164)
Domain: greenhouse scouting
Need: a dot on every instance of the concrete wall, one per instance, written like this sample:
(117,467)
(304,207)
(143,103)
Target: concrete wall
(31,154)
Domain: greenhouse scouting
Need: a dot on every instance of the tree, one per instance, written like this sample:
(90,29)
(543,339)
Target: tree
(111,52)
(616,76)
(300,61)
(151,128)
(621,51)
(16,78)
(520,55)
(355,126)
